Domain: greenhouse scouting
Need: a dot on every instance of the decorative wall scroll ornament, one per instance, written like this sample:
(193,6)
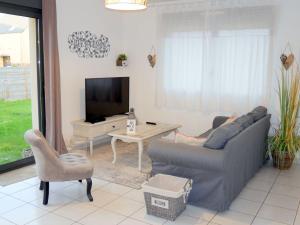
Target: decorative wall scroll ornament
(152,57)
(287,60)
(89,45)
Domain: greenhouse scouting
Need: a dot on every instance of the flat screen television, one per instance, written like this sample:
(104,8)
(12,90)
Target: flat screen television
(105,97)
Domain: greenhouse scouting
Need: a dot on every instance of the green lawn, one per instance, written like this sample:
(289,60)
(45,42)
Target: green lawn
(15,119)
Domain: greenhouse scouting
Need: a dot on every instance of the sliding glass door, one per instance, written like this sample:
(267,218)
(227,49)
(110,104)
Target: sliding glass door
(21,92)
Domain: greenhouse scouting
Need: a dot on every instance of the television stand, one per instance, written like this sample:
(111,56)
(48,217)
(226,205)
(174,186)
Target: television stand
(96,120)
(93,130)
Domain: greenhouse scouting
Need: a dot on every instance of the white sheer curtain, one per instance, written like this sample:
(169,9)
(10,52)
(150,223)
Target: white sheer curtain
(214,60)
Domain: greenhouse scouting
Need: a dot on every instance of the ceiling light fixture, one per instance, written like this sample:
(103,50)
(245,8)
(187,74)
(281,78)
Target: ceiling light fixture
(126,4)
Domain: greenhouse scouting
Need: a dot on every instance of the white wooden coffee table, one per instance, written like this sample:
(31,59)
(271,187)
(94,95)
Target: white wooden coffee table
(143,132)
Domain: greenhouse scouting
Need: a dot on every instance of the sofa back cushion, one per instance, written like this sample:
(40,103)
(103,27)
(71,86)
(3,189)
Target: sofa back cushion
(218,138)
(258,113)
(245,121)
(219,120)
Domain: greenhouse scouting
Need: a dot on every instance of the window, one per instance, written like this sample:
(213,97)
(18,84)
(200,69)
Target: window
(222,68)
(21,80)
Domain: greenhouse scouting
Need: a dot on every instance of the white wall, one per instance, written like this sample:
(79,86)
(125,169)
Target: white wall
(285,31)
(288,27)
(134,33)
(78,15)
(140,35)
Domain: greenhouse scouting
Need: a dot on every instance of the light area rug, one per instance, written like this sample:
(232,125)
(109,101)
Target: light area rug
(125,170)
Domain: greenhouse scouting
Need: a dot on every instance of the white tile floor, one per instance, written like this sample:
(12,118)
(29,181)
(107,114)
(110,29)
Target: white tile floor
(270,198)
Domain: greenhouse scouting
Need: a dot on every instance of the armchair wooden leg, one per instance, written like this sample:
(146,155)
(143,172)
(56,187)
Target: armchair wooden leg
(41,185)
(80,181)
(89,188)
(46,193)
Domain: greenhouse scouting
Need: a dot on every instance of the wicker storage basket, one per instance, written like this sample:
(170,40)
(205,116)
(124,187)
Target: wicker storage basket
(166,196)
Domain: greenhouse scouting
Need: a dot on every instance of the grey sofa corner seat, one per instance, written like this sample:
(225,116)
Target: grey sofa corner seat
(218,175)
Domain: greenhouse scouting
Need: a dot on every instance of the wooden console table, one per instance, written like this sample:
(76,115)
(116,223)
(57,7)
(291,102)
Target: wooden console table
(91,131)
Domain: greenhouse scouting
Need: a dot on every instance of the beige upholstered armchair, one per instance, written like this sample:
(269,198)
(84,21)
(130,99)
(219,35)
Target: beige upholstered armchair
(52,167)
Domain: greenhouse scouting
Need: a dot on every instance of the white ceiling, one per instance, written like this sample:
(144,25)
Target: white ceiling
(246,2)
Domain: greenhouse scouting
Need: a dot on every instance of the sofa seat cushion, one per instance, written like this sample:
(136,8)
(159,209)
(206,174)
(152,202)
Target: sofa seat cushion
(219,138)
(186,155)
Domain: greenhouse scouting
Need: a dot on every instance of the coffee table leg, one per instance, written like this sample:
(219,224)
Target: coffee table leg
(141,149)
(113,145)
(91,146)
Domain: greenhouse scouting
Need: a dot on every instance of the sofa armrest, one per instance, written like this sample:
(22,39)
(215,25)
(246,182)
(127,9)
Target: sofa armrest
(186,155)
(219,120)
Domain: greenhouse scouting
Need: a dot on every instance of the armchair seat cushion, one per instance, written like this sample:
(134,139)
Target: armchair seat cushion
(73,159)
(76,166)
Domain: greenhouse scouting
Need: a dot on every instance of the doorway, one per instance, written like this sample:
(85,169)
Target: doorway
(21,86)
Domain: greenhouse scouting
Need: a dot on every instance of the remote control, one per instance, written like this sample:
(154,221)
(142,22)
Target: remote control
(150,123)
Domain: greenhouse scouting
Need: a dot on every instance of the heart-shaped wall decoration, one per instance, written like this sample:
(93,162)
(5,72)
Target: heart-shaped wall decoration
(287,61)
(152,60)
(283,58)
(290,60)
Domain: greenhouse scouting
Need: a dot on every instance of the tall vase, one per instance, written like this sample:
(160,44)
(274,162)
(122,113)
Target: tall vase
(131,122)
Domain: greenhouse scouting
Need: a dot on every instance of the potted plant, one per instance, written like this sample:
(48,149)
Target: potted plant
(122,60)
(284,145)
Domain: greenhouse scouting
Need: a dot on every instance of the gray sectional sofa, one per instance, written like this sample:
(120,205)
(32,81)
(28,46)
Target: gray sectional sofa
(219,174)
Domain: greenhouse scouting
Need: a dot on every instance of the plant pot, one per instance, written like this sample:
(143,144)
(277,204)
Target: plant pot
(119,62)
(122,63)
(282,161)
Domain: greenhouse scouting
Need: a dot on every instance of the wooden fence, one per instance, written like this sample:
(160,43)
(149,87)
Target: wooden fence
(15,83)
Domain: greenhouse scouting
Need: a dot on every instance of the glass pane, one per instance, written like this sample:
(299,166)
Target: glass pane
(18,85)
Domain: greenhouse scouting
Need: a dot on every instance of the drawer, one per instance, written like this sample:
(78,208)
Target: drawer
(99,129)
(115,126)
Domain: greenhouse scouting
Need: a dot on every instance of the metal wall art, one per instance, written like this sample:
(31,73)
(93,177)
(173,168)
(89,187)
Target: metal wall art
(88,45)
